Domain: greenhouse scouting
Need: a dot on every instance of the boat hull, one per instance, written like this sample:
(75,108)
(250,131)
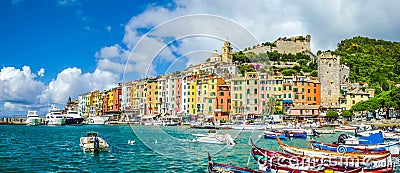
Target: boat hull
(32,121)
(56,122)
(73,121)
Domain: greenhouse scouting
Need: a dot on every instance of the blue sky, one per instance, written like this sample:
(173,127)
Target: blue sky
(55,35)
(53,49)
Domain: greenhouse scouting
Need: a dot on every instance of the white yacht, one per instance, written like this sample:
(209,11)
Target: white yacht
(54,117)
(73,118)
(32,118)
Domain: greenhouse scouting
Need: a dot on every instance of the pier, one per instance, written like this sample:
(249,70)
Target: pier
(17,120)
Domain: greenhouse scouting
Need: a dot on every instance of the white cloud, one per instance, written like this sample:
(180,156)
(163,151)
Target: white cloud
(19,86)
(72,82)
(109,52)
(108,28)
(41,72)
(327,22)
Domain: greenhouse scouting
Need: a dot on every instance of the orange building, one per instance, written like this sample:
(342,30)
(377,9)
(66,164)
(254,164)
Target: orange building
(306,91)
(112,100)
(223,108)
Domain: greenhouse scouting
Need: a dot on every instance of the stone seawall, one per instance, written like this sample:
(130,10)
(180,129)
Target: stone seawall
(17,120)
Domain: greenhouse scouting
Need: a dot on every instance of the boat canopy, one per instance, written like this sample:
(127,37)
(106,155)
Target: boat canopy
(376,138)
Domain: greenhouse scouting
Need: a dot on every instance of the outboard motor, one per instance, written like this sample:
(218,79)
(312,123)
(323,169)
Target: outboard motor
(286,133)
(96,145)
(315,133)
(341,138)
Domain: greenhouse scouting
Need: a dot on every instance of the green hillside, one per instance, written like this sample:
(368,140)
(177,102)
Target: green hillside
(374,61)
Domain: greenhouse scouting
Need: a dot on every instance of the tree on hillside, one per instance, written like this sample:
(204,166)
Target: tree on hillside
(372,61)
(289,72)
(314,73)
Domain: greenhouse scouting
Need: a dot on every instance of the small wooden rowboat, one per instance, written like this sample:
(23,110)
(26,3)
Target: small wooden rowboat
(222,168)
(366,160)
(281,162)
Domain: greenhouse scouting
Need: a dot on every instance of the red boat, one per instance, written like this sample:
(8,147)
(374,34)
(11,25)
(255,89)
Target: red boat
(222,168)
(278,161)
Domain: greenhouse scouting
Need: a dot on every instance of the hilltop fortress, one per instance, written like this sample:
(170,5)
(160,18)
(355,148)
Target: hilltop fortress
(284,45)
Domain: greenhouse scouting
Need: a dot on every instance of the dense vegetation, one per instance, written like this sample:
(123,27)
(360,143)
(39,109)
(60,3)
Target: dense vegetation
(376,62)
(303,60)
(385,100)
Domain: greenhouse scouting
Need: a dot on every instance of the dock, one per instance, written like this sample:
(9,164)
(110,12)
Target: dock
(17,120)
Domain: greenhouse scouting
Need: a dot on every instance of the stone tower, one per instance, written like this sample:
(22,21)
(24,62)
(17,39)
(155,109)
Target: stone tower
(329,75)
(227,52)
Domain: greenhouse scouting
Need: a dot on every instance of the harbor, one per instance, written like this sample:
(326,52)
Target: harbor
(157,148)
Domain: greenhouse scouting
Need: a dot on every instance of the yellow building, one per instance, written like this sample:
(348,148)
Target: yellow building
(210,103)
(110,101)
(97,103)
(237,97)
(353,97)
(140,97)
(193,97)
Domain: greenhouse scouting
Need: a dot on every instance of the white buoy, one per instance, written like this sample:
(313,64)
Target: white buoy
(156,141)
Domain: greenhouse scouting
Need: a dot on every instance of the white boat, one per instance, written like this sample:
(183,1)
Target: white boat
(171,121)
(32,118)
(93,143)
(54,117)
(214,138)
(348,129)
(386,135)
(148,120)
(72,117)
(96,120)
(248,126)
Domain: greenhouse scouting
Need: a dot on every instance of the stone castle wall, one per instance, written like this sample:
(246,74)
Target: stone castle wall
(291,45)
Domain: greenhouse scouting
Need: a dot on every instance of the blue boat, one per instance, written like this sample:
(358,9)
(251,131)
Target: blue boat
(272,135)
(294,133)
(372,143)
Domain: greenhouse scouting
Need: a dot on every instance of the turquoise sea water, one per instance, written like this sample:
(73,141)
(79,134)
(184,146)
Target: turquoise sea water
(165,149)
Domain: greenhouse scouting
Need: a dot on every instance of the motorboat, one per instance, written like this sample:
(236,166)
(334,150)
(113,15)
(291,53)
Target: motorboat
(248,126)
(73,118)
(93,143)
(272,135)
(374,142)
(386,135)
(148,120)
(295,133)
(32,118)
(214,138)
(54,117)
(96,120)
(171,121)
